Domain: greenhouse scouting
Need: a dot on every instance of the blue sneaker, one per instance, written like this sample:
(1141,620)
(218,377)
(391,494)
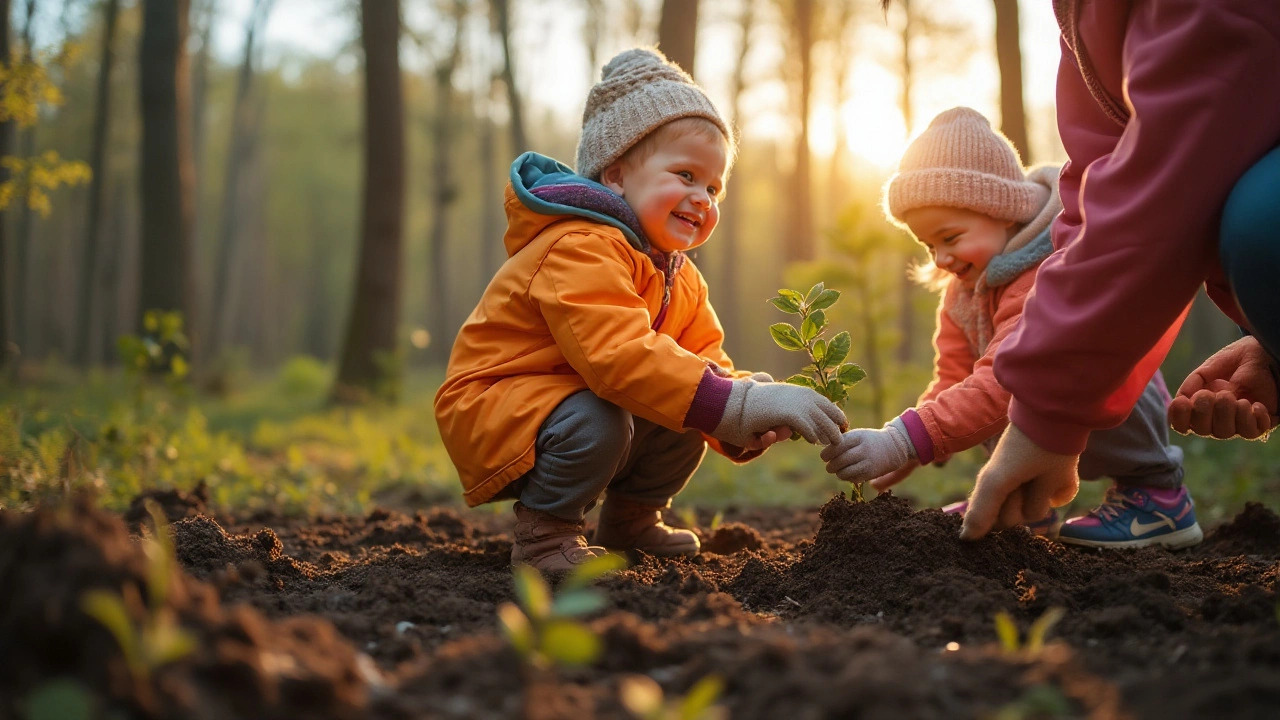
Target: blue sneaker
(1046,527)
(1137,517)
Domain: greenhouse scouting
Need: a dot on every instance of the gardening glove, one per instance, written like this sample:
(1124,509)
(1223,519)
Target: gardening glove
(1019,485)
(762,377)
(755,408)
(865,454)
(1233,393)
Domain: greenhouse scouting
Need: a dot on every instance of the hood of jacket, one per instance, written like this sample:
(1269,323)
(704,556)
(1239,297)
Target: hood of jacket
(544,191)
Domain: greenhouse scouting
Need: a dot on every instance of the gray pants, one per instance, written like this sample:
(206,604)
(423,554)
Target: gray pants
(587,446)
(1137,452)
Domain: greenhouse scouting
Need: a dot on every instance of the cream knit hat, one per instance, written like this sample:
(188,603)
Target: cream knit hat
(639,91)
(960,161)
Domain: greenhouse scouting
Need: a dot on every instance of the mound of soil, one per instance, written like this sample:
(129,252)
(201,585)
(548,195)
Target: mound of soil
(858,609)
(243,664)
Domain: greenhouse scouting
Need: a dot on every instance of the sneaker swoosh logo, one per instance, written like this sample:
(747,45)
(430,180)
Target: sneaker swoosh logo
(1139,528)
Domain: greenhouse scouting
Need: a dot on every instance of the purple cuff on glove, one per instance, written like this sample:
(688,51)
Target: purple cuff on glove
(918,436)
(708,402)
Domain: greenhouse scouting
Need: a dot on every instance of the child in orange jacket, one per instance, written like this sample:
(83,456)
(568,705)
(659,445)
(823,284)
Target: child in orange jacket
(593,364)
(962,192)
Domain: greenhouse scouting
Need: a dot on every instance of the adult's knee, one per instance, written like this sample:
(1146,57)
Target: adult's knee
(1250,247)
(1249,242)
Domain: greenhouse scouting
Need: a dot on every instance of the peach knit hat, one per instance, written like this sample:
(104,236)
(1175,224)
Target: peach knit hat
(960,161)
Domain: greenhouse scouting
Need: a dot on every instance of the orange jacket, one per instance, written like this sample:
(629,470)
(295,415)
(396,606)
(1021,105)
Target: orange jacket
(573,308)
(965,405)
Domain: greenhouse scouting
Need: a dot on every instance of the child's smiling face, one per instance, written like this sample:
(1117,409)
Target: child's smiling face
(675,191)
(961,242)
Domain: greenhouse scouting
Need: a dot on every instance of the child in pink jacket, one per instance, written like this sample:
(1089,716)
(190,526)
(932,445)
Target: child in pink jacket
(962,192)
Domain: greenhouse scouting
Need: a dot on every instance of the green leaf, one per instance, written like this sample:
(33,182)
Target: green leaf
(701,697)
(167,642)
(850,374)
(819,319)
(641,696)
(787,337)
(107,608)
(1006,632)
(61,699)
(151,321)
(178,366)
(825,299)
(819,352)
(804,380)
(577,602)
(516,627)
(838,349)
(792,295)
(568,643)
(159,556)
(786,305)
(532,591)
(835,392)
(1039,629)
(813,294)
(592,570)
(808,330)
(716,520)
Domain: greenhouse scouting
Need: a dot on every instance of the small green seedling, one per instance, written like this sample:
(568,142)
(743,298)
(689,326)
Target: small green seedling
(1038,702)
(827,371)
(643,697)
(160,350)
(542,628)
(1007,632)
(159,640)
(688,517)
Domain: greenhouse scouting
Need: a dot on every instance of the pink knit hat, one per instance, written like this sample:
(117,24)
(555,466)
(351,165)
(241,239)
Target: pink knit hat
(960,161)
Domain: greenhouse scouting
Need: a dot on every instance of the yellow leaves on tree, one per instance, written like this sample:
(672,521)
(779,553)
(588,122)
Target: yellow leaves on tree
(32,179)
(25,86)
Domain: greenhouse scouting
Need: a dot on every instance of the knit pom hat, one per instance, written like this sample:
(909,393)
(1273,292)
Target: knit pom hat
(639,91)
(959,161)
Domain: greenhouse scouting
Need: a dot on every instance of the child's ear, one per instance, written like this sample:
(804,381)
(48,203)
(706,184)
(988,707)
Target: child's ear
(612,177)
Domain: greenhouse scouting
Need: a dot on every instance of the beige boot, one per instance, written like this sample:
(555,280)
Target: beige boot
(549,543)
(625,525)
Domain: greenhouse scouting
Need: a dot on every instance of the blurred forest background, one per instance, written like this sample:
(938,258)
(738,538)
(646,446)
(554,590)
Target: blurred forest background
(311,191)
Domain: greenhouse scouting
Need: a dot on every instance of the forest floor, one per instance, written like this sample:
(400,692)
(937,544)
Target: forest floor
(868,610)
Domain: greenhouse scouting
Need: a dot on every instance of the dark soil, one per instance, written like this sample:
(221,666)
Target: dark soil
(857,610)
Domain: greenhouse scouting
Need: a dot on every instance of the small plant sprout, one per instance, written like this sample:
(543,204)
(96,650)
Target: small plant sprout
(1007,632)
(643,698)
(159,640)
(542,628)
(827,371)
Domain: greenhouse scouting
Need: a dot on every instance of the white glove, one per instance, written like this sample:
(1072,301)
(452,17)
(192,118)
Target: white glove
(755,408)
(762,377)
(865,454)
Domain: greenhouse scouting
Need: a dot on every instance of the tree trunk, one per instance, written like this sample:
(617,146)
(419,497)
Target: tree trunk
(907,286)
(836,190)
(801,244)
(519,141)
(97,191)
(223,309)
(1013,118)
(370,344)
(7,349)
(167,177)
(22,231)
(446,192)
(728,280)
(491,250)
(678,32)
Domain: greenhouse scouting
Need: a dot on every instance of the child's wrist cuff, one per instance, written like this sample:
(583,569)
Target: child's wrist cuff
(915,431)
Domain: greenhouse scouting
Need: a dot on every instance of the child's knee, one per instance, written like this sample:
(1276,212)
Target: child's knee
(587,426)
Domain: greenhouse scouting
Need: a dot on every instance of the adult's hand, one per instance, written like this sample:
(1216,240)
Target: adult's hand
(1019,485)
(1233,393)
